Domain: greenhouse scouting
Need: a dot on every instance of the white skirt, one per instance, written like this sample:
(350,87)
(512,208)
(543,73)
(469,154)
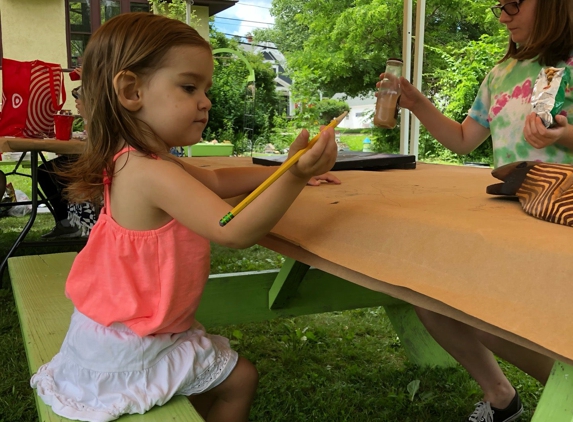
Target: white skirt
(103,372)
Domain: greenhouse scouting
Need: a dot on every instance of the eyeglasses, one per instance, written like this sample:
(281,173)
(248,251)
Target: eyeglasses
(511,9)
(77,93)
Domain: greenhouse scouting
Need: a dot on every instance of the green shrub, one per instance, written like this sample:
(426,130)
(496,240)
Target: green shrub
(330,109)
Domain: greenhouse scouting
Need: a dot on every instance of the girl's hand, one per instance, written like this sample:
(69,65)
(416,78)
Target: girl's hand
(538,136)
(409,97)
(326,177)
(317,160)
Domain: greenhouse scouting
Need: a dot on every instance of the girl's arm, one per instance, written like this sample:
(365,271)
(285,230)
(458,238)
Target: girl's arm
(460,138)
(229,182)
(235,181)
(171,189)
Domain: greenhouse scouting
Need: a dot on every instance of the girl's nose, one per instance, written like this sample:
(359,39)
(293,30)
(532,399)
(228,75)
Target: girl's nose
(504,17)
(205,103)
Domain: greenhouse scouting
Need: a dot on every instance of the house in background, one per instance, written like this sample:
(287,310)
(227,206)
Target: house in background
(361,111)
(272,55)
(57,31)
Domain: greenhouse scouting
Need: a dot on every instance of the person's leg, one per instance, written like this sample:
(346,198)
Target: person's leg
(462,342)
(2,183)
(52,187)
(530,362)
(231,400)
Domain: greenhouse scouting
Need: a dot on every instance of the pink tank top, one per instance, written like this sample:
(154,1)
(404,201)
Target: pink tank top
(149,280)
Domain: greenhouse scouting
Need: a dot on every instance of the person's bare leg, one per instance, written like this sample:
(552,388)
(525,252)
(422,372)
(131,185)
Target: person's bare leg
(462,342)
(231,400)
(530,362)
(2,183)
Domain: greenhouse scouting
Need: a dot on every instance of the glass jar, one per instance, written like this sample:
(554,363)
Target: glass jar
(388,94)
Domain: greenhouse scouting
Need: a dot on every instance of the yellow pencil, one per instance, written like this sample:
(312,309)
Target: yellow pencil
(273,177)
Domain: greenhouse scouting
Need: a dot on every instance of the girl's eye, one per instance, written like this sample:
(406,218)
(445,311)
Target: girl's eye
(189,88)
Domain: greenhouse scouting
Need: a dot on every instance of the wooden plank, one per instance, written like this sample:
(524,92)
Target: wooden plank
(286,283)
(44,313)
(556,403)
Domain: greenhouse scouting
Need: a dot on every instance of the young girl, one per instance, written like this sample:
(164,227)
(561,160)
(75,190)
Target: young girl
(541,34)
(133,342)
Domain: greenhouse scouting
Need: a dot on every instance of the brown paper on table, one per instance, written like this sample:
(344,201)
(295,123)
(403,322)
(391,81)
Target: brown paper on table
(434,238)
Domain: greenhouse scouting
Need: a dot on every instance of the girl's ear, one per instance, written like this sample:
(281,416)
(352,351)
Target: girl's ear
(127,88)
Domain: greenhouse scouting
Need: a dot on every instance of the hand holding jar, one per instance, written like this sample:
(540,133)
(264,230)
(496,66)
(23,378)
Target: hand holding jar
(388,93)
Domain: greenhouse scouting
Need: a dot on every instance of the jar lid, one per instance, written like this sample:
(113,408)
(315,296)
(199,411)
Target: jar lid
(394,59)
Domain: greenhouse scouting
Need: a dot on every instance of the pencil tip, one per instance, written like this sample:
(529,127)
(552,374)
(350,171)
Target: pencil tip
(341,117)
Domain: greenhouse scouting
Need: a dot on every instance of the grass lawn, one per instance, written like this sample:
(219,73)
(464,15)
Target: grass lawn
(341,366)
(354,141)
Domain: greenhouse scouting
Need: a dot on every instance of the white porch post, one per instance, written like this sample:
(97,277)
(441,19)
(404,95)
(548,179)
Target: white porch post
(407,57)
(188,11)
(417,80)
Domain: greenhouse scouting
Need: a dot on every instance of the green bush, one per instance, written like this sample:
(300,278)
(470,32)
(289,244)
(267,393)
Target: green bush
(330,109)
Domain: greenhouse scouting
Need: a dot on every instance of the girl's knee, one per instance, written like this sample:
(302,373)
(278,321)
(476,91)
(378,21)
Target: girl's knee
(242,381)
(246,373)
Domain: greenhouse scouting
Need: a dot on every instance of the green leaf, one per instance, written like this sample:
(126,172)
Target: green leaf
(413,388)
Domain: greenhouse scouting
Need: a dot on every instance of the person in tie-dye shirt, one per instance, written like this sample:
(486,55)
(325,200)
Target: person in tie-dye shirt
(502,106)
(541,34)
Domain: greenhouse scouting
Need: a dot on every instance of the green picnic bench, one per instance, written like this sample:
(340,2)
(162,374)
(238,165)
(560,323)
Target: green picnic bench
(44,312)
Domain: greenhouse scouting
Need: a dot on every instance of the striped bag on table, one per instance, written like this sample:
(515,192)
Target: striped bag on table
(31,93)
(544,189)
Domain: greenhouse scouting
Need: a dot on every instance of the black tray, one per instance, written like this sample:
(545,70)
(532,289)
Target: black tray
(354,160)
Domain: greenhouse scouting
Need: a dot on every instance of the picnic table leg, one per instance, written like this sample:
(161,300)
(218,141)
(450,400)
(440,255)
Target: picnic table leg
(556,403)
(287,283)
(30,223)
(420,346)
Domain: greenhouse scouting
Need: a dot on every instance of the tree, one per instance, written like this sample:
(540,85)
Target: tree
(175,9)
(346,43)
(342,47)
(456,86)
(330,109)
(228,94)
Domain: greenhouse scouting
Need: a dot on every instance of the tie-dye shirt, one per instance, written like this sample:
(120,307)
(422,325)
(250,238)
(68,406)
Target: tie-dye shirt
(502,104)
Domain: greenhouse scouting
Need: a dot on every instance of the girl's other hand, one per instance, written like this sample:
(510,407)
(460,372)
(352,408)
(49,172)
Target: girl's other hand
(538,136)
(317,160)
(326,177)
(409,97)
